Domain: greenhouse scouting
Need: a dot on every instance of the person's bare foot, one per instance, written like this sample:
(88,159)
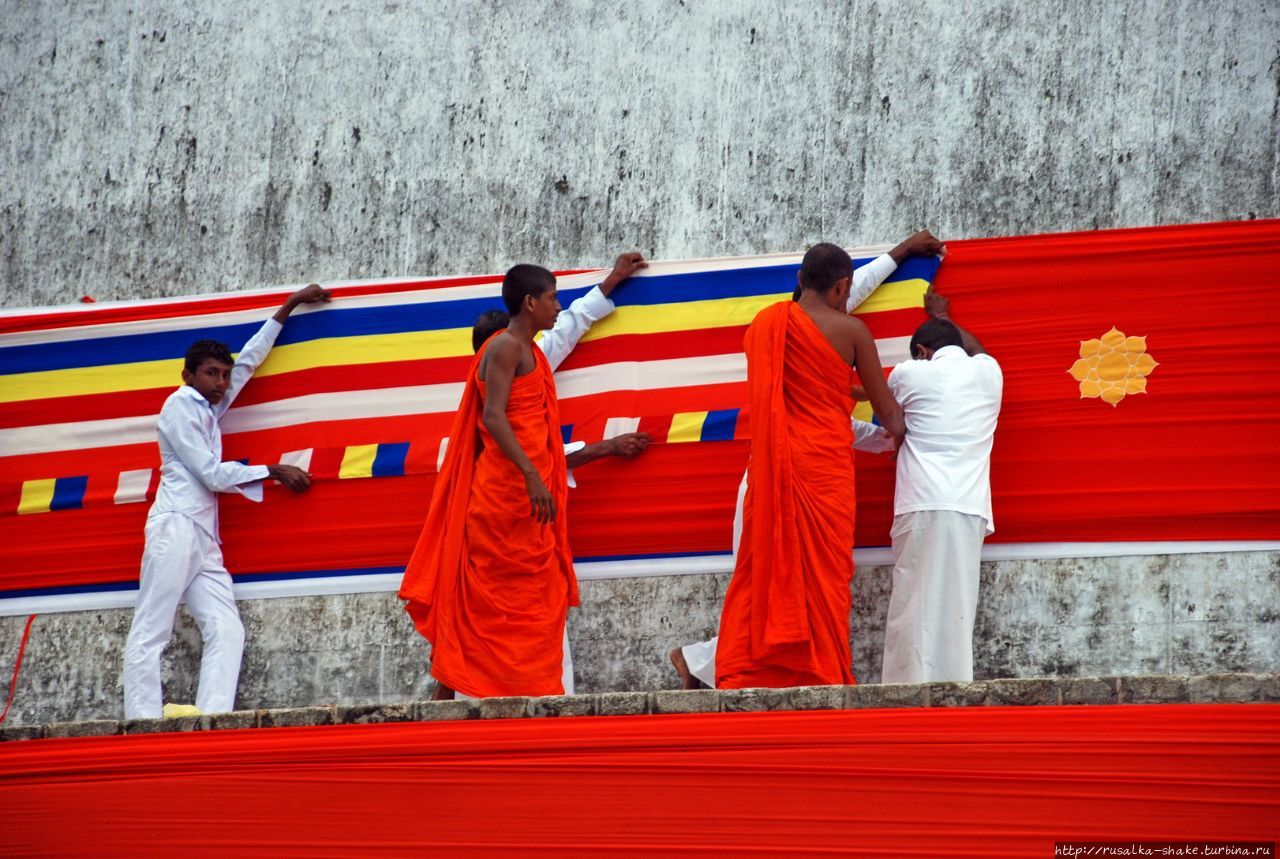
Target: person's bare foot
(442,693)
(682,668)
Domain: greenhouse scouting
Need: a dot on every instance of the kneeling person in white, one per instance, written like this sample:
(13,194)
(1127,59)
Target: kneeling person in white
(950,398)
(182,559)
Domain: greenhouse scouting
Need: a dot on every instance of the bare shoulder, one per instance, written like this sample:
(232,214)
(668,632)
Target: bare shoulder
(501,352)
(854,327)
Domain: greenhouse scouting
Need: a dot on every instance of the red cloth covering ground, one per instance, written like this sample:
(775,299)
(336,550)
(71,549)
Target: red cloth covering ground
(987,781)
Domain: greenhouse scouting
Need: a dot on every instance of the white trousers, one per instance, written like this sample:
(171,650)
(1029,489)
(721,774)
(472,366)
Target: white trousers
(701,659)
(181,562)
(929,629)
(566,664)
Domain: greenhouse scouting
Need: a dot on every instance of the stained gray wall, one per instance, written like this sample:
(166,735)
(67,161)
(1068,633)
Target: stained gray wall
(157,148)
(1180,614)
(154,148)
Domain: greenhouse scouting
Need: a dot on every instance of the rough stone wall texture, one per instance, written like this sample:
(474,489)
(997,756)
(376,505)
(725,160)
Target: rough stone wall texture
(154,148)
(151,148)
(1174,615)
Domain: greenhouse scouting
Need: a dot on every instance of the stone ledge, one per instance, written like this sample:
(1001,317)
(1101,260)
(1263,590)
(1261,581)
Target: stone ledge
(1015,692)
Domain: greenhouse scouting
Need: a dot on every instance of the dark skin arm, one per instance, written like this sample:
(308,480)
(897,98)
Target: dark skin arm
(502,359)
(920,244)
(312,293)
(626,265)
(625,446)
(867,360)
(291,476)
(938,306)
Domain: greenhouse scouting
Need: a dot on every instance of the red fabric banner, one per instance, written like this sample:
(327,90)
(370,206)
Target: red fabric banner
(1163,431)
(986,781)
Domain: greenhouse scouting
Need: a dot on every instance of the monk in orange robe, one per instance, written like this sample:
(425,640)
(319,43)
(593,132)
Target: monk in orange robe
(492,577)
(786,614)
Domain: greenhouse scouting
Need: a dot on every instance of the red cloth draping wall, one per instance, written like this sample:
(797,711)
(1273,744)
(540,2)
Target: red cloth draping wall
(1192,458)
(931,782)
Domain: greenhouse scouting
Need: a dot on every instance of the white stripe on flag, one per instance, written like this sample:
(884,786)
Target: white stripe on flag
(615,427)
(133,486)
(397,402)
(444,445)
(300,458)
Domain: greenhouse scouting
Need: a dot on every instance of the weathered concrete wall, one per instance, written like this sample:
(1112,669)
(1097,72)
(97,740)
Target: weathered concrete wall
(1187,614)
(155,148)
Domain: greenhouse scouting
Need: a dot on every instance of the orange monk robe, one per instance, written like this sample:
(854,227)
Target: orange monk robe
(786,613)
(488,585)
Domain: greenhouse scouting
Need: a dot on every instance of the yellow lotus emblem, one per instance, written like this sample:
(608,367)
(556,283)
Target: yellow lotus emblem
(1113,366)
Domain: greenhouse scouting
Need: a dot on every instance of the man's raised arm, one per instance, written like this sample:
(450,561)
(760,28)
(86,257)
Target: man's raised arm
(259,345)
(581,314)
(938,306)
(867,278)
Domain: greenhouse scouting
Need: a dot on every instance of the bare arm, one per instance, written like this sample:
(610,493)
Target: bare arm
(626,265)
(626,446)
(502,358)
(309,294)
(920,244)
(867,360)
(938,306)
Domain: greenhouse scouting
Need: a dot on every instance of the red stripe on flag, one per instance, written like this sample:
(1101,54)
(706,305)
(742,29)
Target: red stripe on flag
(86,407)
(657,427)
(656,347)
(894,323)
(101,489)
(421,458)
(326,462)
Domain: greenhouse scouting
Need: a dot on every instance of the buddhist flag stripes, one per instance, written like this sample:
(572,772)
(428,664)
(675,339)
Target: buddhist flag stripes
(368,385)
(61,493)
(683,427)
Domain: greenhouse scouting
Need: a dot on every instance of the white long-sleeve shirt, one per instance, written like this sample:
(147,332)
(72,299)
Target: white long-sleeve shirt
(866,278)
(191,468)
(572,323)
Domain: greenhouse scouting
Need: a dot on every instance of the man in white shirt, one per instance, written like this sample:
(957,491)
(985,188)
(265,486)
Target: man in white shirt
(556,343)
(182,559)
(950,397)
(696,663)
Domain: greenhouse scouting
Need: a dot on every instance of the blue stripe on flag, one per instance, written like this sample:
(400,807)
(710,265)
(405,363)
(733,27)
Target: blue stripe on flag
(389,460)
(719,425)
(566,432)
(68,493)
(397,319)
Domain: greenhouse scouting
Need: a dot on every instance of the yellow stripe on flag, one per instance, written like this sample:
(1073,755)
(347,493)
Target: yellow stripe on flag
(863,411)
(329,352)
(358,461)
(686,426)
(899,295)
(684,316)
(37,495)
(421,345)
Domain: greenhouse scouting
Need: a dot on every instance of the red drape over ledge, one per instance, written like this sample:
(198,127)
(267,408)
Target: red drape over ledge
(933,782)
